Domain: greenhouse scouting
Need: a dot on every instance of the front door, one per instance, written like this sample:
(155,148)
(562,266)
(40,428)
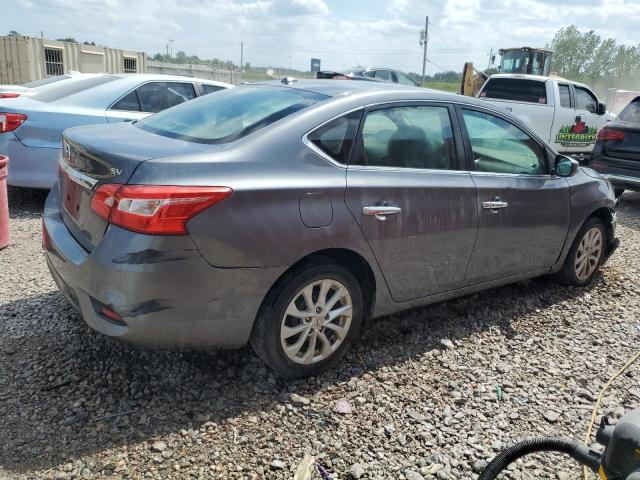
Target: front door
(523,210)
(414,204)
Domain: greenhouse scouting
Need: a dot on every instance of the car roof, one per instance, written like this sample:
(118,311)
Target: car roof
(379,90)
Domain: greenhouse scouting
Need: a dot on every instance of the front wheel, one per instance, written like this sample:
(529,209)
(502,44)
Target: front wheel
(309,320)
(586,254)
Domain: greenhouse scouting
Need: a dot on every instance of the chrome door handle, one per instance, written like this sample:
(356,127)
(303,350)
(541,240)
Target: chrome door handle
(380,211)
(495,204)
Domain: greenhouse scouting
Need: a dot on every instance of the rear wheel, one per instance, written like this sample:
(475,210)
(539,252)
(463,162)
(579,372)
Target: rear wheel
(308,321)
(586,254)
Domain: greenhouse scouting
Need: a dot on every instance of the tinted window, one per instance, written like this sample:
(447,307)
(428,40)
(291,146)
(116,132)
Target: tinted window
(65,89)
(158,96)
(129,103)
(404,80)
(501,147)
(336,137)
(211,88)
(45,81)
(384,75)
(631,112)
(518,90)
(565,96)
(585,100)
(408,137)
(231,114)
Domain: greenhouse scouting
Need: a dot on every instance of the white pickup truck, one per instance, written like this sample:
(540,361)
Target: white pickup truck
(565,113)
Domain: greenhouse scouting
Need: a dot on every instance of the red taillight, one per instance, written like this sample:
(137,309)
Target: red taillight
(9,95)
(610,135)
(10,121)
(154,209)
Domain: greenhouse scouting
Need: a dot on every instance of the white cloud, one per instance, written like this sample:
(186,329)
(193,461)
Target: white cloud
(380,32)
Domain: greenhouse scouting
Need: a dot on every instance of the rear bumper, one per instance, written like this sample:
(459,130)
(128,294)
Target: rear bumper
(623,181)
(29,166)
(164,290)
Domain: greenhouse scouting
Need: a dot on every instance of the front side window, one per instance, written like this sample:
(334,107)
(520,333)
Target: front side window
(157,96)
(229,115)
(516,89)
(384,75)
(631,112)
(585,100)
(404,80)
(211,88)
(565,96)
(408,137)
(500,147)
(336,138)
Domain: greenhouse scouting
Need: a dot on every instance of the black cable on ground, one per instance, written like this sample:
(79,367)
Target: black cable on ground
(576,450)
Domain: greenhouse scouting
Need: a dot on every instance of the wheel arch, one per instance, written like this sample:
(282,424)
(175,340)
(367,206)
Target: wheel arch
(349,259)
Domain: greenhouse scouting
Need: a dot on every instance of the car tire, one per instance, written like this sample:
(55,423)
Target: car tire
(284,311)
(586,254)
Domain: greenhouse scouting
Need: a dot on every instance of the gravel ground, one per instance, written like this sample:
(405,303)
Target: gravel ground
(434,392)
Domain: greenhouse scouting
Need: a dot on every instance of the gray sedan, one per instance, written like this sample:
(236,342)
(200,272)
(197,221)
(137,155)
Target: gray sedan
(31,125)
(285,214)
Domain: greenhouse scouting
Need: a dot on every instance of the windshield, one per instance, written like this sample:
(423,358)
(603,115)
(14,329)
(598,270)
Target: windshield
(514,61)
(45,81)
(228,115)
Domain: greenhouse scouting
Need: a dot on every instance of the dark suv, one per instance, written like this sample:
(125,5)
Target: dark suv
(617,151)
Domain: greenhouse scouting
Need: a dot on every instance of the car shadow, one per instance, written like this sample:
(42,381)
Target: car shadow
(66,391)
(25,202)
(630,202)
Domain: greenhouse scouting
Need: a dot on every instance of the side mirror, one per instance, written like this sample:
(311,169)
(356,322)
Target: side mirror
(566,166)
(601,109)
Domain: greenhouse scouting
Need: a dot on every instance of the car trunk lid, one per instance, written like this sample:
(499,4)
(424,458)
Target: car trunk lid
(94,155)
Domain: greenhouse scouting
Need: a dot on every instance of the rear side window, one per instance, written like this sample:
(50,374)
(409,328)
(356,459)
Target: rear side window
(565,96)
(231,114)
(631,112)
(384,75)
(519,90)
(336,138)
(211,88)
(60,90)
(128,103)
(157,96)
(408,137)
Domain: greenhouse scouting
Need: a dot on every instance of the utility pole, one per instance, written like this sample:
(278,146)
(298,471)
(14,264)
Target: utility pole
(171,52)
(167,49)
(490,57)
(241,60)
(424,38)
(290,68)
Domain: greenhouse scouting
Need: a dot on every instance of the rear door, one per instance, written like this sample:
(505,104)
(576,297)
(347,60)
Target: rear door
(523,211)
(564,119)
(580,135)
(413,202)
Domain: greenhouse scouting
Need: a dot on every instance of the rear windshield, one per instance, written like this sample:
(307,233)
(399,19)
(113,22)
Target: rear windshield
(229,114)
(45,81)
(631,112)
(65,89)
(518,90)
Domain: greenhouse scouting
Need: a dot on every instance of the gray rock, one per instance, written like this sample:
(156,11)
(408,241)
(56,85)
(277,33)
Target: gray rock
(413,475)
(551,416)
(356,471)
(159,446)
(447,343)
(278,465)
(298,400)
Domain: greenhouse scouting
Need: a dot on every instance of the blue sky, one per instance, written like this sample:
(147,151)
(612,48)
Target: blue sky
(341,33)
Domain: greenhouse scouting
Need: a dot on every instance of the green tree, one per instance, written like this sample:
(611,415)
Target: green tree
(14,33)
(68,39)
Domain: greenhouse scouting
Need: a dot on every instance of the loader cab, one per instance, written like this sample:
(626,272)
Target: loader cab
(526,60)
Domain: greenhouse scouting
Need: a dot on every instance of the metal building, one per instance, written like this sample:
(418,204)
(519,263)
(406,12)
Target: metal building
(24,59)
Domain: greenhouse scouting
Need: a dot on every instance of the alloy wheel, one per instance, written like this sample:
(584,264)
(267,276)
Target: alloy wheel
(316,321)
(588,254)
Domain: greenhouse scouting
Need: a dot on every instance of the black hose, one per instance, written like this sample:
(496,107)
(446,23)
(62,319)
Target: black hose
(576,450)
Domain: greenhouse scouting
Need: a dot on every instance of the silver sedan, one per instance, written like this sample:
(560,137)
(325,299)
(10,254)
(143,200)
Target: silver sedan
(31,125)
